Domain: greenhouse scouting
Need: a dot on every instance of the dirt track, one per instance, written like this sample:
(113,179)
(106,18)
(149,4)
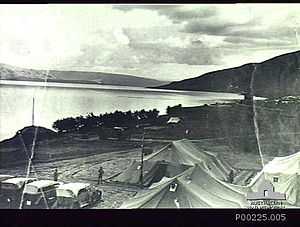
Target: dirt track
(85,170)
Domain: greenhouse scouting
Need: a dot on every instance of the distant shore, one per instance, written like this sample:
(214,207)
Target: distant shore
(53,80)
(91,85)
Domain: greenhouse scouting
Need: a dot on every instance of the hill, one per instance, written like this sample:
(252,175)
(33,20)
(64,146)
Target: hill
(18,148)
(275,77)
(51,146)
(8,72)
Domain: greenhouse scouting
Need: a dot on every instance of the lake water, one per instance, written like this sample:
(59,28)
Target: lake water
(57,100)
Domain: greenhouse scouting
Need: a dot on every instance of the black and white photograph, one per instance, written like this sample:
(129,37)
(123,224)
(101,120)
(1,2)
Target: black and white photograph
(133,106)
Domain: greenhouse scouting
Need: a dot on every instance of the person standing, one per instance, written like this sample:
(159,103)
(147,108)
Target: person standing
(231,176)
(55,175)
(100,175)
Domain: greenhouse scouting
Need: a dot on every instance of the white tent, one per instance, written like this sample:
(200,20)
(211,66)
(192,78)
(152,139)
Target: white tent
(184,152)
(283,173)
(172,160)
(153,171)
(174,120)
(194,188)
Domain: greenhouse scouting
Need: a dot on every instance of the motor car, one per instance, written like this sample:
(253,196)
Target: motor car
(4,177)
(12,190)
(77,195)
(40,194)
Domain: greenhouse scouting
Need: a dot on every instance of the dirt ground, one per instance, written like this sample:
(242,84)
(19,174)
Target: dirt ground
(84,169)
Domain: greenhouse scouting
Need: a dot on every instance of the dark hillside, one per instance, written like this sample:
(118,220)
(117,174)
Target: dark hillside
(279,76)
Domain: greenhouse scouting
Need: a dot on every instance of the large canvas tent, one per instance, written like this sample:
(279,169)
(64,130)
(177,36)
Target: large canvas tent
(186,153)
(194,188)
(172,160)
(153,171)
(283,173)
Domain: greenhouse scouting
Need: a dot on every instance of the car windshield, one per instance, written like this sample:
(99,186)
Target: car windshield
(31,189)
(64,193)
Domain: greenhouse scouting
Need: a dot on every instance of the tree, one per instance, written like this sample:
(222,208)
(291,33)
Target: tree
(108,120)
(65,125)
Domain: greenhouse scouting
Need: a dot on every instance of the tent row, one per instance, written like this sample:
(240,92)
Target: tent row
(203,186)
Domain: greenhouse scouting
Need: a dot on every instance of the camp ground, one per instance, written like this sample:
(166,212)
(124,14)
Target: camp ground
(179,174)
(194,188)
(198,188)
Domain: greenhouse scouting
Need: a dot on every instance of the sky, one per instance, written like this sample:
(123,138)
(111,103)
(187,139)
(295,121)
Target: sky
(166,42)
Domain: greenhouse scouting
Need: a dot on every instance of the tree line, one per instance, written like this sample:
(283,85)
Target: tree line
(90,122)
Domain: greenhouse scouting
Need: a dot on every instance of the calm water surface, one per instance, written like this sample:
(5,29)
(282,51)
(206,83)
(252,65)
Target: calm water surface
(57,101)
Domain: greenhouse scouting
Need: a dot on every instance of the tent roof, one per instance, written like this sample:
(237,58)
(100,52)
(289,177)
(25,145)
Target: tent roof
(174,120)
(284,165)
(287,169)
(195,188)
(185,152)
(153,171)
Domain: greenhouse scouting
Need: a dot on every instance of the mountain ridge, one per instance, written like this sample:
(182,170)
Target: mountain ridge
(8,72)
(277,76)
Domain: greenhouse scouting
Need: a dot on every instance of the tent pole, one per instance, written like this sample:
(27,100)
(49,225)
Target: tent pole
(142,159)
(32,116)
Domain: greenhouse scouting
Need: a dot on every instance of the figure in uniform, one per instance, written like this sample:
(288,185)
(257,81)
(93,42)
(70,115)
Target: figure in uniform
(55,175)
(231,176)
(100,175)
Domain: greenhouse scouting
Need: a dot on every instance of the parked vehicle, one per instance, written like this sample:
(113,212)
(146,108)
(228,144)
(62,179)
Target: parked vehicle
(77,195)
(12,190)
(40,194)
(4,177)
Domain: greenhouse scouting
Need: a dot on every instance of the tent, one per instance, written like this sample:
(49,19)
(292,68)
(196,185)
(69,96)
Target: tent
(194,188)
(283,173)
(174,120)
(172,160)
(186,153)
(153,171)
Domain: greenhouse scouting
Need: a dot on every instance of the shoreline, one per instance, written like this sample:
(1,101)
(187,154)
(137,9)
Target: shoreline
(98,86)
